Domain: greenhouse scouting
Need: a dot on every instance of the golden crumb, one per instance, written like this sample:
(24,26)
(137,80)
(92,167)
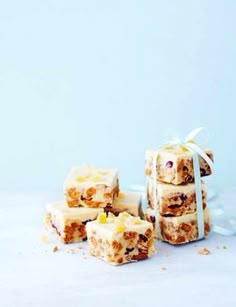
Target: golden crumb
(70,251)
(163,268)
(44,238)
(204,251)
(55,248)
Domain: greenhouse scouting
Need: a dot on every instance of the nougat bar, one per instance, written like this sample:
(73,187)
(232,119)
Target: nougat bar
(175,165)
(130,202)
(88,186)
(175,200)
(180,229)
(120,239)
(69,223)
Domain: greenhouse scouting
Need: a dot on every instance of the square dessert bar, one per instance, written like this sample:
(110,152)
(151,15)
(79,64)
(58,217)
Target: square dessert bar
(120,239)
(69,223)
(175,165)
(180,229)
(175,200)
(87,186)
(130,202)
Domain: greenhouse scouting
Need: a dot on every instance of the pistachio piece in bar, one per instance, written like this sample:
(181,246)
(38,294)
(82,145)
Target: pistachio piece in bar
(130,202)
(179,229)
(175,200)
(88,186)
(120,239)
(69,223)
(175,164)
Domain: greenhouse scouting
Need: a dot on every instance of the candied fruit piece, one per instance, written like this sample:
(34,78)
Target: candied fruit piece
(169,164)
(81,179)
(136,220)
(120,228)
(102,218)
(121,195)
(96,178)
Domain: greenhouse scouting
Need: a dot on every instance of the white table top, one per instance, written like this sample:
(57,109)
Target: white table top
(32,275)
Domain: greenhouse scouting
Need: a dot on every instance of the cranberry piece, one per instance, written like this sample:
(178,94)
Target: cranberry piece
(129,250)
(143,238)
(169,164)
(152,219)
(202,171)
(183,197)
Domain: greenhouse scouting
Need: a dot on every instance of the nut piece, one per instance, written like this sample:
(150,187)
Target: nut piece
(55,248)
(204,251)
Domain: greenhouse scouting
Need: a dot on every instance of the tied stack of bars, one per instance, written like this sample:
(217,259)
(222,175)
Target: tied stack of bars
(171,194)
(95,210)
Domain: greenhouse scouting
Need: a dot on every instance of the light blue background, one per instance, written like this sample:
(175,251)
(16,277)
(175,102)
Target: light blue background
(101,81)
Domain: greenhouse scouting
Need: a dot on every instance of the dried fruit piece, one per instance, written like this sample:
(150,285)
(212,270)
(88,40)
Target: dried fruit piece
(119,227)
(81,179)
(169,164)
(96,178)
(102,218)
(121,195)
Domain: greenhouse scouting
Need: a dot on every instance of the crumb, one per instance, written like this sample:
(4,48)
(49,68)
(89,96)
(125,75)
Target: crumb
(224,247)
(70,251)
(163,268)
(195,245)
(55,248)
(79,247)
(44,238)
(204,251)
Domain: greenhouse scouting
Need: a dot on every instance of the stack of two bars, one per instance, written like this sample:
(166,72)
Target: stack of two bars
(175,194)
(95,209)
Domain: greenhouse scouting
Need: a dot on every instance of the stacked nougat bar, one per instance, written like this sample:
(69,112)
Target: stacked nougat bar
(88,192)
(176,198)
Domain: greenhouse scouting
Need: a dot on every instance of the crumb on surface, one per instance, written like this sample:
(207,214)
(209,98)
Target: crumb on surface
(55,248)
(44,238)
(204,251)
(163,268)
(70,251)
(224,247)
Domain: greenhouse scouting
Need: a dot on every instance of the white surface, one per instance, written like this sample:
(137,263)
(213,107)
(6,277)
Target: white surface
(31,275)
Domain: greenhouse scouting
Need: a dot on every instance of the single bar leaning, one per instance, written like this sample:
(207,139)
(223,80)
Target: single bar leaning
(121,239)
